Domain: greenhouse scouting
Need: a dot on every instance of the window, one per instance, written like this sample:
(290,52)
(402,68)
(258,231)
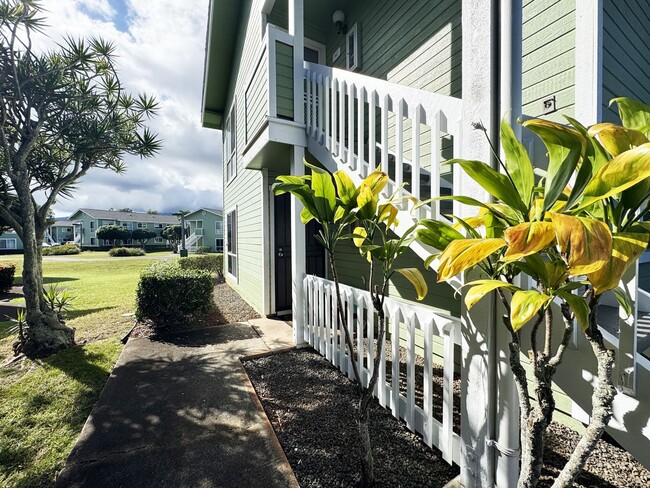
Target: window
(125,225)
(231,231)
(199,224)
(218,245)
(157,226)
(230,143)
(158,240)
(92,225)
(7,243)
(218,226)
(93,241)
(142,225)
(352,48)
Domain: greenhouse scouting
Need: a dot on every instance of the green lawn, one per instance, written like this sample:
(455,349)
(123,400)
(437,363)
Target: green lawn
(44,404)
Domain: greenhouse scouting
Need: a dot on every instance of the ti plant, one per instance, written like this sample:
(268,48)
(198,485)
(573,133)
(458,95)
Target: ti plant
(574,231)
(338,204)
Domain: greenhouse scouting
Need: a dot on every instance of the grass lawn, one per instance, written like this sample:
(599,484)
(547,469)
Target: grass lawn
(44,404)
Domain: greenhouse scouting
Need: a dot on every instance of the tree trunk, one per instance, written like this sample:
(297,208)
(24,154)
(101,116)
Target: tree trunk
(46,333)
(365,449)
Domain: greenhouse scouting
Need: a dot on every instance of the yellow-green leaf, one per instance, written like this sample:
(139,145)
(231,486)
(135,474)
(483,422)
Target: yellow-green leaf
(345,187)
(634,114)
(528,238)
(587,242)
(375,181)
(517,162)
(360,235)
(416,279)
(524,306)
(480,288)
(436,234)
(617,139)
(621,173)
(388,213)
(579,307)
(462,254)
(367,203)
(627,248)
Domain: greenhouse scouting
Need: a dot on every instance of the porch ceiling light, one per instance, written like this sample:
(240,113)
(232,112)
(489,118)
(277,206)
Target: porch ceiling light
(338,17)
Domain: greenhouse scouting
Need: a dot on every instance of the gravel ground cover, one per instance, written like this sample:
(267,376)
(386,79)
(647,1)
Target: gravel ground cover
(311,406)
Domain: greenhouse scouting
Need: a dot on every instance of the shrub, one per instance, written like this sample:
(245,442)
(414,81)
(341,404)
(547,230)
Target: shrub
(167,293)
(203,249)
(61,250)
(207,262)
(120,252)
(7,272)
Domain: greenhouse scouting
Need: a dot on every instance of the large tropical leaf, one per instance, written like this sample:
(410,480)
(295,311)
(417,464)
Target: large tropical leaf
(634,114)
(462,254)
(416,279)
(388,213)
(627,248)
(480,288)
(517,162)
(436,234)
(375,181)
(367,203)
(324,194)
(359,235)
(496,184)
(524,306)
(621,173)
(345,187)
(579,307)
(617,139)
(586,242)
(527,238)
(564,147)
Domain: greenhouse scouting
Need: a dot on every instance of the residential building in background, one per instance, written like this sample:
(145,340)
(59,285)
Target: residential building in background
(205,229)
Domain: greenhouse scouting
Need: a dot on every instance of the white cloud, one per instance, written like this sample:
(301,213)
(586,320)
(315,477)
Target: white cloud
(160,51)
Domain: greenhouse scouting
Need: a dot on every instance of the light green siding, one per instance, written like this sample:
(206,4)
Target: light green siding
(548,57)
(256,98)
(626,64)
(284,76)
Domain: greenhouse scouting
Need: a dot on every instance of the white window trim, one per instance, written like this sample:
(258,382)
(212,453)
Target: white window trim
(7,240)
(227,244)
(354,33)
(230,144)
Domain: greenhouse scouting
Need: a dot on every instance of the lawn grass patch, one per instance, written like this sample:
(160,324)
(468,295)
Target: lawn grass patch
(44,404)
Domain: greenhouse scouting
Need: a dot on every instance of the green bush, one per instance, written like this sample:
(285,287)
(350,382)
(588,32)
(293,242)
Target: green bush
(7,272)
(203,249)
(167,293)
(61,250)
(207,262)
(120,252)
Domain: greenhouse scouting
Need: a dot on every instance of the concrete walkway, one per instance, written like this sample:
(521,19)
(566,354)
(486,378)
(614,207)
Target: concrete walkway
(181,413)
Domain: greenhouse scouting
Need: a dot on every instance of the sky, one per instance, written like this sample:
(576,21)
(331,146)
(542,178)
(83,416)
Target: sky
(160,47)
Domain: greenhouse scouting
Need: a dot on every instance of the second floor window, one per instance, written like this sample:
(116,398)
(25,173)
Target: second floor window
(230,143)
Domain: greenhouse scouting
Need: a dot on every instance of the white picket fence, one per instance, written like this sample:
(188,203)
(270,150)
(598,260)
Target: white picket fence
(324,333)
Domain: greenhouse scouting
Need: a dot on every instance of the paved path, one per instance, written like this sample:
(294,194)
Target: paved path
(181,413)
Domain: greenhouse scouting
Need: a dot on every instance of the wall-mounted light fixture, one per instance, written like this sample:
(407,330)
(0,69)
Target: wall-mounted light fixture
(338,17)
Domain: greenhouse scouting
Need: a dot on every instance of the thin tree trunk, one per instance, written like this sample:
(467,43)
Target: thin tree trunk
(601,400)
(46,333)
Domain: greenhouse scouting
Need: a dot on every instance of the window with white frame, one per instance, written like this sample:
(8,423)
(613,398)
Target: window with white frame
(157,226)
(92,225)
(231,242)
(93,241)
(230,143)
(158,240)
(7,243)
(218,245)
(352,48)
(142,225)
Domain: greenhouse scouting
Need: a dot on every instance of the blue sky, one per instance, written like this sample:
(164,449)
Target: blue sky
(160,51)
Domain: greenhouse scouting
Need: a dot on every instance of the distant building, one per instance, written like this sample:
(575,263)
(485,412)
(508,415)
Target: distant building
(205,229)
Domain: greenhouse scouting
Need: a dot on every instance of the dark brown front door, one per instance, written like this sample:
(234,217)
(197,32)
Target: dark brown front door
(315,263)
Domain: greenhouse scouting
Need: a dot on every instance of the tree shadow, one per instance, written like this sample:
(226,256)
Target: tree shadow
(168,418)
(78,313)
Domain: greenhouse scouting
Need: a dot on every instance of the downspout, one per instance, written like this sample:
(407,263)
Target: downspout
(503,433)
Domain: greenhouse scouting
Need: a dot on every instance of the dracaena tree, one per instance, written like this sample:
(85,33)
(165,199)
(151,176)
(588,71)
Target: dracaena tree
(62,113)
(574,231)
(347,212)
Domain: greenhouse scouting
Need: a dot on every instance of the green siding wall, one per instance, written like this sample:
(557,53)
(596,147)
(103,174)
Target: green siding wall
(626,64)
(256,98)
(548,56)
(284,76)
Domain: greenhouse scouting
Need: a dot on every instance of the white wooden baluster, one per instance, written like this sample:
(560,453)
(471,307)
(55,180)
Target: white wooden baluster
(385,105)
(361,161)
(327,108)
(308,105)
(328,322)
(342,91)
(321,317)
(334,147)
(314,102)
(372,136)
(436,158)
(321,107)
(350,326)
(361,306)
(394,339)
(335,330)
(428,382)
(410,371)
(313,339)
(350,120)
(343,363)
(305,329)
(399,144)
(415,153)
(446,443)
(381,388)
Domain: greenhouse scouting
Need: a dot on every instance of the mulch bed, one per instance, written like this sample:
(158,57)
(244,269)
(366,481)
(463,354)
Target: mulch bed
(311,406)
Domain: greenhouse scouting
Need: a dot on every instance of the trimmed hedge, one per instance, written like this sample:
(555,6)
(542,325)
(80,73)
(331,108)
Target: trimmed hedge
(207,262)
(62,250)
(167,294)
(120,252)
(7,272)
(203,250)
